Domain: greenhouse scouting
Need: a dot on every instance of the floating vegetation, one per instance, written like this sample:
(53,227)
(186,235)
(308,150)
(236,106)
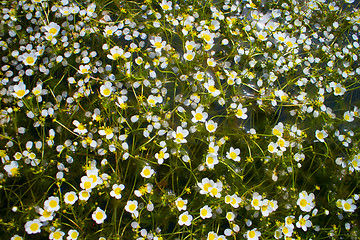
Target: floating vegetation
(179,119)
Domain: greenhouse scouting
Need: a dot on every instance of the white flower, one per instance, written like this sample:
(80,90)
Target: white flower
(166,5)
(108,132)
(349,116)
(211,62)
(53,29)
(99,215)
(131,207)
(205,212)
(72,234)
(278,129)
(80,128)
(211,160)
(28,59)
(87,183)
(12,168)
(211,126)
(321,135)
(199,115)
(272,147)
(347,205)
(303,222)
(253,234)
(109,30)
(180,134)
(256,200)
(205,185)
(210,86)
(291,42)
(162,155)
(116,190)
(233,154)
(106,89)
(70,197)
(287,230)
(52,204)
(262,35)
(117,52)
(185,218)
(153,100)
(147,172)
(305,201)
(181,203)
(57,235)
(20,90)
(190,45)
(339,90)
(16,237)
(32,227)
(84,69)
(158,43)
(189,55)
(215,190)
(84,195)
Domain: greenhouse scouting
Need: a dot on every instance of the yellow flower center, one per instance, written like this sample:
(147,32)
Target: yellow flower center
(81,127)
(14,171)
(146,172)
(30,60)
(132,207)
(34,227)
(320,135)
(57,235)
(87,185)
(180,136)
(207,38)
(53,203)
(211,127)
(52,31)
(158,45)
(180,204)
(184,218)
(212,89)
(355,163)
(347,206)
(161,155)
(303,202)
(20,93)
(302,222)
(106,92)
(108,131)
(233,155)
(71,197)
(198,116)
(206,186)
(252,234)
(99,215)
(214,191)
(117,191)
(46,214)
(203,212)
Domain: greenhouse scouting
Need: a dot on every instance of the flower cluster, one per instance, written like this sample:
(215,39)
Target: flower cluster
(179,119)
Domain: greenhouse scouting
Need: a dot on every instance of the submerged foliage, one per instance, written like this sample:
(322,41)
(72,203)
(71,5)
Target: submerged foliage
(179,119)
